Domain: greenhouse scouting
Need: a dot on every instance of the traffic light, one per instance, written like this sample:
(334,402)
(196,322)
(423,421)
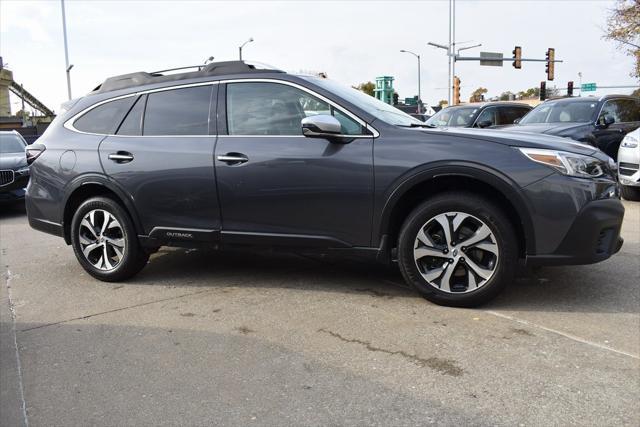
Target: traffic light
(543,91)
(551,55)
(456,90)
(517,56)
(570,89)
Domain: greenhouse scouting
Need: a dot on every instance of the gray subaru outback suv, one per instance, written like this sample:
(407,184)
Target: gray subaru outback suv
(233,155)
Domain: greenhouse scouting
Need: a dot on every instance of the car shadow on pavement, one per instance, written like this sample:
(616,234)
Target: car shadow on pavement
(269,269)
(12,210)
(559,289)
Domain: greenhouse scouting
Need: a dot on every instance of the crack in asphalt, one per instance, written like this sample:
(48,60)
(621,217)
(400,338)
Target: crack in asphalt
(12,310)
(444,366)
(116,310)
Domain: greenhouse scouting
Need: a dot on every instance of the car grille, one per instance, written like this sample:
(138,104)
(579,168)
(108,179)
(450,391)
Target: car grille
(7,177)
(627,169)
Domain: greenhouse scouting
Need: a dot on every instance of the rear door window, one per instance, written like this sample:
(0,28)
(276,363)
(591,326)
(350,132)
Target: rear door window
(105,118)
(132,124)
(509,114)
(178,111)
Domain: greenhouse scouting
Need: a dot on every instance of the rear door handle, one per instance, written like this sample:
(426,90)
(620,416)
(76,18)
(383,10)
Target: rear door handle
(232,158)
(121,157)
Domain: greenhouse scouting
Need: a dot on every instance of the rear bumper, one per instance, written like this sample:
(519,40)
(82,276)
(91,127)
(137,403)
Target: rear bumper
(594,236)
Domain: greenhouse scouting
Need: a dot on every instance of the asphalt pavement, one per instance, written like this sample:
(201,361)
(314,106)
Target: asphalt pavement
(260,338)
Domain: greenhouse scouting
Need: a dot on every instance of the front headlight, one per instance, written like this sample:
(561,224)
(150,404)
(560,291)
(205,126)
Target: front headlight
(629,142)
(567,163)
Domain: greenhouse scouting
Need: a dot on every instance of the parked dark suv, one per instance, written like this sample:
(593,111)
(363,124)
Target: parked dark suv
(14,171)
(601,122)
(485,115)
(232,155)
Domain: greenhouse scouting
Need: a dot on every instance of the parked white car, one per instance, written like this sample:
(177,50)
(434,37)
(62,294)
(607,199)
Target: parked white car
(629,165)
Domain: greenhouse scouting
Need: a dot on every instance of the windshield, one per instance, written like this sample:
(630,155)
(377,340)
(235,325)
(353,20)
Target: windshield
(561,112)
(10,143)
(380,110)
(453,116)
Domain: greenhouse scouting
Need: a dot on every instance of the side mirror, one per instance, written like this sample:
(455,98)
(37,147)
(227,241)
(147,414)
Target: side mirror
(605,121)
(321,126)
(485,124)
(516,121)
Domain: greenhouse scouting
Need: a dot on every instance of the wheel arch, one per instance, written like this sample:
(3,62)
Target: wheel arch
(419,185)
(92,185)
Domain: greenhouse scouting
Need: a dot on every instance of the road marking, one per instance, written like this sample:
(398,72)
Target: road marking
(564,334)
(12,310)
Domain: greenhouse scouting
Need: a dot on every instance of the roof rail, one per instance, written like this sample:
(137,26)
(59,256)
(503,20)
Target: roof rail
(212,69)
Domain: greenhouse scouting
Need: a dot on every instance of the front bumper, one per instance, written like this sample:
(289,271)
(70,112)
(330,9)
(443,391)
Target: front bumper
(594,236)
(629,166)
(16,190)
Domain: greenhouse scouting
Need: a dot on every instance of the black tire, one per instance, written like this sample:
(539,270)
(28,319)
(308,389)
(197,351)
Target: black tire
(480,208)
(134,257)
(630,193)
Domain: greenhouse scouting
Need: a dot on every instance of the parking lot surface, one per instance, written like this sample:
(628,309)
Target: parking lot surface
(212,338)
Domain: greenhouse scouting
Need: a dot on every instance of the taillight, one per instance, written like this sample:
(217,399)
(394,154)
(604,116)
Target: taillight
(34,151)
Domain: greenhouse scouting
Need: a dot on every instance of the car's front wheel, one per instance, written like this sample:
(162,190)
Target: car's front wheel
(458,249)
(105,241)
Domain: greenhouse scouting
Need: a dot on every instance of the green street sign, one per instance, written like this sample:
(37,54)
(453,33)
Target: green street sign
(588,87)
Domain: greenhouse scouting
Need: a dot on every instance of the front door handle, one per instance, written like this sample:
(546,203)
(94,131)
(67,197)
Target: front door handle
(233,158)
(121,157)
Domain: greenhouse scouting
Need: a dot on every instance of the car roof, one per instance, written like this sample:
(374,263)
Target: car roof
(491,104)
(213,69)
(565,100)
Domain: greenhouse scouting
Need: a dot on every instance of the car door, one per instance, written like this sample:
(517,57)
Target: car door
(278,186)
(626,115)
(162,156)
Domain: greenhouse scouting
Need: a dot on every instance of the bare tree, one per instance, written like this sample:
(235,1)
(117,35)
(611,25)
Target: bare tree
(623,26)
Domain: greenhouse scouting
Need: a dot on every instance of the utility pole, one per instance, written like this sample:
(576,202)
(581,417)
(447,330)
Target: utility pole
(66,50)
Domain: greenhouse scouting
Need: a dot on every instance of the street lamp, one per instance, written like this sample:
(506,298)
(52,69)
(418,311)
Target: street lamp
(419,91)
(241,46)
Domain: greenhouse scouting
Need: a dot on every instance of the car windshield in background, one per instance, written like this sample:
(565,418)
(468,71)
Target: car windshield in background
(11,144)
(453,117)
(385,112)
(561,112)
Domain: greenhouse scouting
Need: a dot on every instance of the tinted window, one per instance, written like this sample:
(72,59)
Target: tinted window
(622,110)
(133,122)
(11,144)
(104,118)
(509,114)
(488,115)
(178,112)
(276,109)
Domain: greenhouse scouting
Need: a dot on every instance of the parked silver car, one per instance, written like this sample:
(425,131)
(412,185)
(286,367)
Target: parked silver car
(629,165)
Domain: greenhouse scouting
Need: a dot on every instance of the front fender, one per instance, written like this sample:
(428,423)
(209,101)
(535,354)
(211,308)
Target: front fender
(491,177)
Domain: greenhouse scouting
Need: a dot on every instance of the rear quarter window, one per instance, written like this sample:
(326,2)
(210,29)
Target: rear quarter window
(105,118)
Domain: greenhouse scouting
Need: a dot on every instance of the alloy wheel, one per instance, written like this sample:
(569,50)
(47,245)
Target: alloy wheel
(102,239)
(456,252)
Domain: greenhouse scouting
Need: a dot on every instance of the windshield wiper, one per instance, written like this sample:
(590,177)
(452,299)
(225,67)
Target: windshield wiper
(417,125)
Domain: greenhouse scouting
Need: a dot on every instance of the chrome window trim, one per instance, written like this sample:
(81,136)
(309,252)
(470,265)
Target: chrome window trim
(69,124)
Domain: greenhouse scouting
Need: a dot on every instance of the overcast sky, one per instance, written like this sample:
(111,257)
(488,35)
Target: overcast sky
(351,41)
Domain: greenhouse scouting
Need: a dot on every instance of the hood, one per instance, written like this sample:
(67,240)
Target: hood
(13,160)
(508,136)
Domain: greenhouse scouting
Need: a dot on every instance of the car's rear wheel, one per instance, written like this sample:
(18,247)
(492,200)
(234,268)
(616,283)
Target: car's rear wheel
(105,241)
(630,193)
(458,249)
